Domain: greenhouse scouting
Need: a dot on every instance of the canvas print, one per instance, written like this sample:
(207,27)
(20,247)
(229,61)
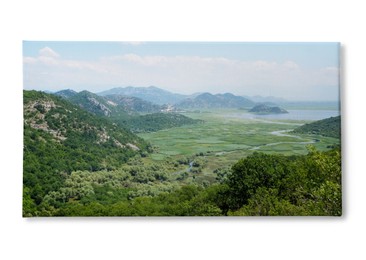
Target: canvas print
(181,129)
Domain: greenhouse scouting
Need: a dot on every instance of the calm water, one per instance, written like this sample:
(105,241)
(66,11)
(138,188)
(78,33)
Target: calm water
(294,115)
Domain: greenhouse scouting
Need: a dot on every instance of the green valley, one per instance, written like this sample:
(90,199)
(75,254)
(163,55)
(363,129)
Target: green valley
(79,163)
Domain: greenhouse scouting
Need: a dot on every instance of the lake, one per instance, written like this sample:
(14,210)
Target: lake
(293,115)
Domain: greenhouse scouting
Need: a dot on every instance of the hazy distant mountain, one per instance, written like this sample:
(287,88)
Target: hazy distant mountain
(125,111)
(111,105)
(48,91)
(134,104)
(66,93)
(266,100)
(265,109)
(151,94)
(208,100)
(95,104)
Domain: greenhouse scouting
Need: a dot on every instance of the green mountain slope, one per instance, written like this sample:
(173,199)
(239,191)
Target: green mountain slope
(125,111)
(60,137)
(95,104)
(330,127)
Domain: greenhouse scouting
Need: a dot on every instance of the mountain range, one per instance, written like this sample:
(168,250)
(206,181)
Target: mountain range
(195,101)
(119,102)
(122,101)
(109,106)
(151,94)
(208,100)
(129,112)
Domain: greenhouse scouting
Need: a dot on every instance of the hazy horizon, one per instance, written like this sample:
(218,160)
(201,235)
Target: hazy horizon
(189,94)
(292,71)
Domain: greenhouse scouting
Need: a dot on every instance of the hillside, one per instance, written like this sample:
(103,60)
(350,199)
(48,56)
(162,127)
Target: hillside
(151,94)
(330,127)
(116,106)
(60,137)
(133,104)
(66,93)
(266,109)
(126,111)
(93,103)
(208,100)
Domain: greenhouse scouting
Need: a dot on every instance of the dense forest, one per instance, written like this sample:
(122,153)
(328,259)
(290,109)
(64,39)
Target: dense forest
(259,185)
(60,138)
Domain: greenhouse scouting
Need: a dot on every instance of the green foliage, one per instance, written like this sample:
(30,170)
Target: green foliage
(267,202)
(279,185)
(189,200)
(258,170)
(28,203)
(330,127)
(259,185)
(60,138)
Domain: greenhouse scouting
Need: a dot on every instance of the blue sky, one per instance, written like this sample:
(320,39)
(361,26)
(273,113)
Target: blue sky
(295,71)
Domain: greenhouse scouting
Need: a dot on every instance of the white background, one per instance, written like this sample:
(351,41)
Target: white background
(176,238)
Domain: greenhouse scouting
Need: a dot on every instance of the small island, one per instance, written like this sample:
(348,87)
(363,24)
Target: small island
(265,109)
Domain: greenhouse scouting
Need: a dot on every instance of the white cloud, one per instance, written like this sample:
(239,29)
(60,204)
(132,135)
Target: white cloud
(48,52)
(29,60)
(48,60)
(264,65)
(184,74)
(145,61)
(291,65)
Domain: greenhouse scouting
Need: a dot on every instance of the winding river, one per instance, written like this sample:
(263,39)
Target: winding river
(283,133)
(295,115)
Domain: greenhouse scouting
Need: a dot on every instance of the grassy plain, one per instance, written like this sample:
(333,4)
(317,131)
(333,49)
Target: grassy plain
(224,138)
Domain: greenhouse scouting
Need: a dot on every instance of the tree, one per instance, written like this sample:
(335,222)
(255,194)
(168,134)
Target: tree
(253,172)
(277,185)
